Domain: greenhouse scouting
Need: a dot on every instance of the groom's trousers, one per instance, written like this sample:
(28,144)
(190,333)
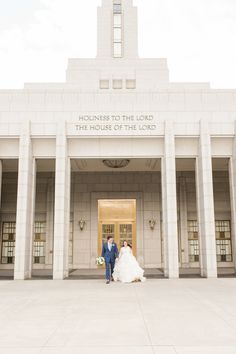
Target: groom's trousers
(109,269)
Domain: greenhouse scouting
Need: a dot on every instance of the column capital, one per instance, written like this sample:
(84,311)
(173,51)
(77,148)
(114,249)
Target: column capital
(204,124)
(61,128)
(169,127)
(25,129)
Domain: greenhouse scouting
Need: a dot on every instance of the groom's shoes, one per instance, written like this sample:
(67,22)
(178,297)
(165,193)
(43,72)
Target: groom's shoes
(108,282)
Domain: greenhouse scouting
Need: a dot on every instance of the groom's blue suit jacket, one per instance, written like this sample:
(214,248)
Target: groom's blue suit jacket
(110,256)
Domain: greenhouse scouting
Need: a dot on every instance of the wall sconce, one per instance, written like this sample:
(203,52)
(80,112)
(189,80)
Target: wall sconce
(82,224)
(152,224)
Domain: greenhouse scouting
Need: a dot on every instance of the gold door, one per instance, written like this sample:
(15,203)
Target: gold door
(117,218)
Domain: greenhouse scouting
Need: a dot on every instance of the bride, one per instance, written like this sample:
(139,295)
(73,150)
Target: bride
(127,268)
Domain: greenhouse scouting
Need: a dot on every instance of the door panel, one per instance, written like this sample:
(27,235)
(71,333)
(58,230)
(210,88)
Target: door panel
(117,218)
(127,233)
(105,230)
(120,232)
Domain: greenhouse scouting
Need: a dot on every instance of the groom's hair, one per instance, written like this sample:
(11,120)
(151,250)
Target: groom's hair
(109,237)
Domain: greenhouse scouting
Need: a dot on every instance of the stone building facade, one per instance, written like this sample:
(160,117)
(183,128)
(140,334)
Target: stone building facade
(117,149)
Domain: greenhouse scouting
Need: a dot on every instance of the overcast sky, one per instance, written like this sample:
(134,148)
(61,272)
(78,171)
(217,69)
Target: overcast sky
(197,36)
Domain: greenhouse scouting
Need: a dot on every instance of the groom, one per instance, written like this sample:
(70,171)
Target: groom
(110,253)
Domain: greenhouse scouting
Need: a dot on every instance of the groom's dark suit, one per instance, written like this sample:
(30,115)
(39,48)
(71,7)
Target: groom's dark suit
(110,256)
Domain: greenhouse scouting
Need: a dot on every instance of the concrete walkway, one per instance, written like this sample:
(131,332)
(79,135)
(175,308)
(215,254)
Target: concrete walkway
(186,316)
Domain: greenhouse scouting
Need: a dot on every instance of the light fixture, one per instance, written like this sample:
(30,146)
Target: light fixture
(82,224)
(152,223)
(121,163)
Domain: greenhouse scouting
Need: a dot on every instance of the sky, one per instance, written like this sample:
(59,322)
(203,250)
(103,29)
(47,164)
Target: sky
(198,37)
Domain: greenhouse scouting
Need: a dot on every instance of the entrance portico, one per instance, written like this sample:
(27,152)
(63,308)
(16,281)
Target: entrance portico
(142,180)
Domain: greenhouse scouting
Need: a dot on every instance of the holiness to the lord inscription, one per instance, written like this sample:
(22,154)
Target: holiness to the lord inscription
(116,123)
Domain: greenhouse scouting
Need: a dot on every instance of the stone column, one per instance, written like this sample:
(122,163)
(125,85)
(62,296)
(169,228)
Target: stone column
(183,222)
(169,205)
(232,180)
(25,207)
(205,205)
(62,206)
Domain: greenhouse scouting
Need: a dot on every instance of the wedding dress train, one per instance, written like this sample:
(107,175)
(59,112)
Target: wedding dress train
(127,268)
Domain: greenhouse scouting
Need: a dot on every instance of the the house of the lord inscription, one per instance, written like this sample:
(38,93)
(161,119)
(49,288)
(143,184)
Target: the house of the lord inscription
(115,124)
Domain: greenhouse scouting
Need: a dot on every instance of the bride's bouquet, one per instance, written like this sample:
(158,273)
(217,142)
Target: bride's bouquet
(100,261)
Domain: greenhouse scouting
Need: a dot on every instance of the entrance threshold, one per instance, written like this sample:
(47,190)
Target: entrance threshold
(88,274)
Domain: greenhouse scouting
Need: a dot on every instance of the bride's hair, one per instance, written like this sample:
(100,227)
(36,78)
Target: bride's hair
(128,244)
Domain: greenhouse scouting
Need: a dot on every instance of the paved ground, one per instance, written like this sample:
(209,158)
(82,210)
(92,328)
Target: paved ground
(187,316)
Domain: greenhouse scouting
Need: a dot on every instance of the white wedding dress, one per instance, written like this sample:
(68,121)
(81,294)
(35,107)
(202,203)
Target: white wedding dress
(127,268)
